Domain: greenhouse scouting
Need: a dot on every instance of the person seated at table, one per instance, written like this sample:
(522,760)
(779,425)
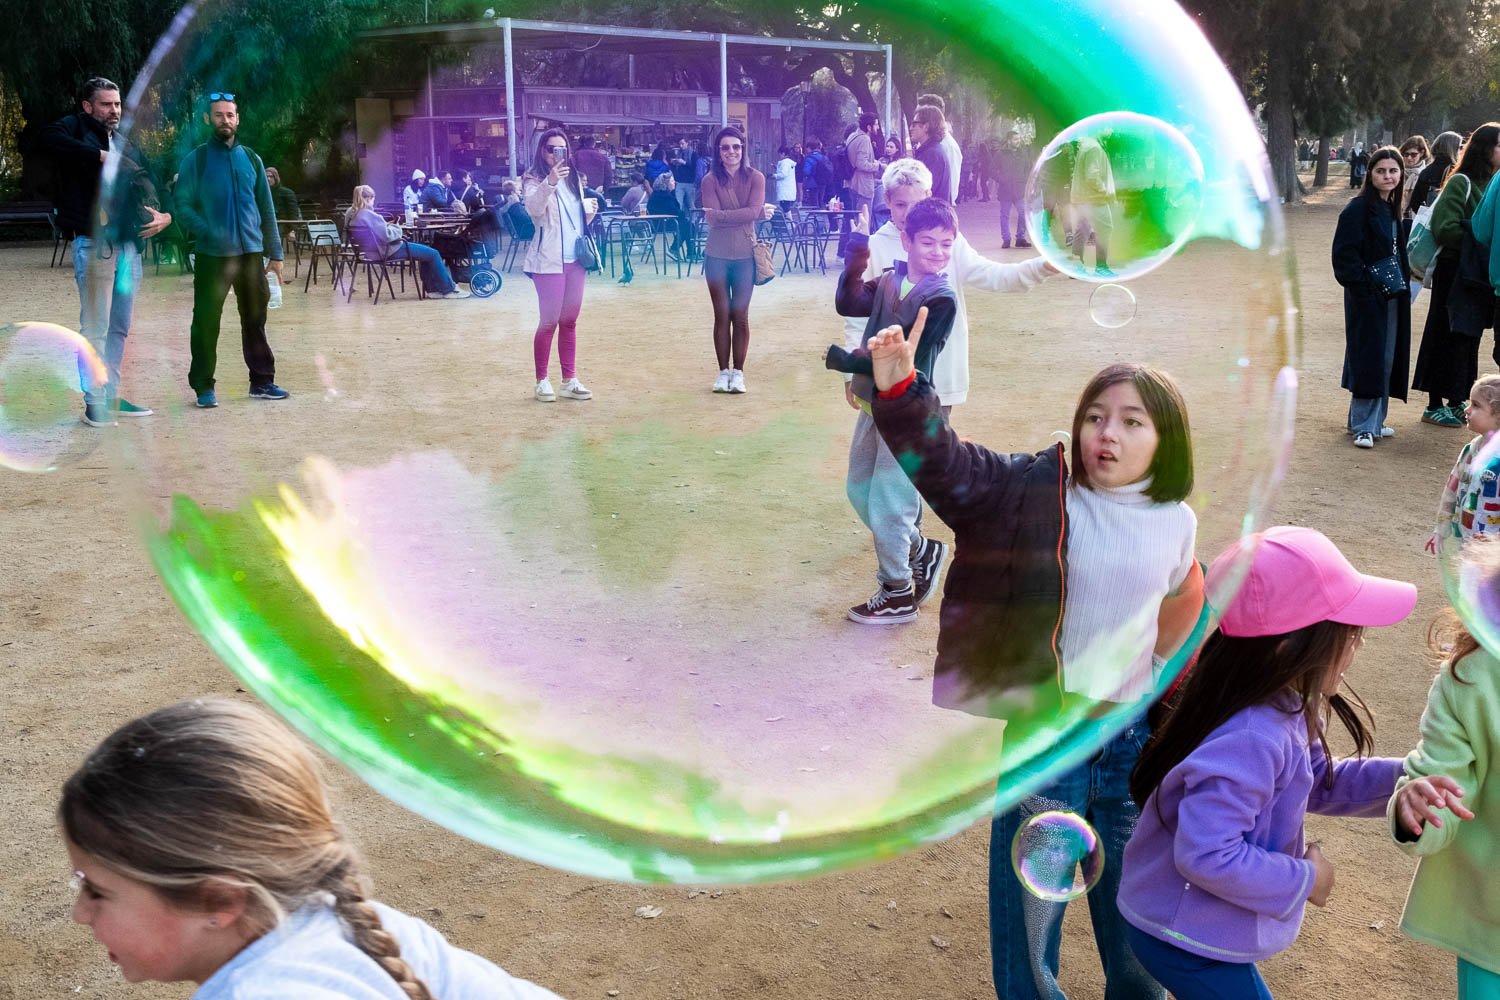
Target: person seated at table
(469,192)
(412,196)
(437,196)
(283,198)
(509,196)
(380,240)
(639,192)
(663,201)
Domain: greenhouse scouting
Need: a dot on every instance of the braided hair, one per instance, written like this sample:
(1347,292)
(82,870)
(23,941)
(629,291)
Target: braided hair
(210,795)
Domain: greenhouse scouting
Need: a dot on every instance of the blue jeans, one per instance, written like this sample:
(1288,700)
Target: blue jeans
(436,278)
(1192,977)
(1026,931)
(106,295)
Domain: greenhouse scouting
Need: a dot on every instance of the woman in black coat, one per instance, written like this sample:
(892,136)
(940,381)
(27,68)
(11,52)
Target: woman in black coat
(1377,328)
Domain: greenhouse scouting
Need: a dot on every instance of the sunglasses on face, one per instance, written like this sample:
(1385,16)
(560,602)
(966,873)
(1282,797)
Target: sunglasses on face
(727,148)
(557,150)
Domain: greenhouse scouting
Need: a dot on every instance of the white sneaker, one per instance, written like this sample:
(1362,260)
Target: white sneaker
(457,293)
(574,389)
(736,381)
(544,391)
(721,384)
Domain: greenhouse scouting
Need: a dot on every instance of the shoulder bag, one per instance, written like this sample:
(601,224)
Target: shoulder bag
(765,266)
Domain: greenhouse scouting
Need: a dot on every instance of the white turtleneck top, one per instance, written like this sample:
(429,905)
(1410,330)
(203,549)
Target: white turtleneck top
(1126,554)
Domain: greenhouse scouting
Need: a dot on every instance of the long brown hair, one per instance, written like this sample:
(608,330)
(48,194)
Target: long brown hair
(1367,189)
(540,168)
(722,175)
(1237,672)
(212,794)
(1474,157)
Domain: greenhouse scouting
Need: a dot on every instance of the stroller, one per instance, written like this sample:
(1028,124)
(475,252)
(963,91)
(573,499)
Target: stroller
(469,254)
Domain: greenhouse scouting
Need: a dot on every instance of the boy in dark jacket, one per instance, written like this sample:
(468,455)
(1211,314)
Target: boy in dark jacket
(882,495)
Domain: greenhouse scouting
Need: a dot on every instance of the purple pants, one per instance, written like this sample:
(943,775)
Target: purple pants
(559,299)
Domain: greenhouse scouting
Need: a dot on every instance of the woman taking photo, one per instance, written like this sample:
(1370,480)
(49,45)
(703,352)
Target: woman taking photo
(554,199)
(1369,260)
(1448,362)
(734,198)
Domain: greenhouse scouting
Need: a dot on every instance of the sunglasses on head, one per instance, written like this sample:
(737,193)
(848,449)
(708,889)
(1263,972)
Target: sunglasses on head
(220,95)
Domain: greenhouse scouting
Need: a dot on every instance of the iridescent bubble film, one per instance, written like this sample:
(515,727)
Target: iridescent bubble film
(611,635)
(1112,306)
(1114,195)
(1057,856)
(1466,532)
(43,367)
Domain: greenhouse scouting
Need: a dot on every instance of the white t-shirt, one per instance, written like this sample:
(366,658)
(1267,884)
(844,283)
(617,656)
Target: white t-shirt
(955,158)
(1126,553)
(309,957)
(571,222)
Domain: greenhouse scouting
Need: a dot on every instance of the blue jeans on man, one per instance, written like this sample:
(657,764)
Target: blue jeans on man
(1025,930)
(436,278)
(107,277)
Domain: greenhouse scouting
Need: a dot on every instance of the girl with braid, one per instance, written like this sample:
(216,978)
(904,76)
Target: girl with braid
(204,850)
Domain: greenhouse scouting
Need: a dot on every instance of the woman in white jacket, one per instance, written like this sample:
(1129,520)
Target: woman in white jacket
(785,177)
(554,199)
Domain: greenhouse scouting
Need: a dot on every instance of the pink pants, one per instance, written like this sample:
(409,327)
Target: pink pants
(559,299)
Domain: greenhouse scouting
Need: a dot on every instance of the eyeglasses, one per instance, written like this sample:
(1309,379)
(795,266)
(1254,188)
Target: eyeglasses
(731,148)
(220,95)
(1412,153)
(557,150)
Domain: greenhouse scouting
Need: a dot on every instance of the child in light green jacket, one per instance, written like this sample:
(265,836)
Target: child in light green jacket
(1454,902)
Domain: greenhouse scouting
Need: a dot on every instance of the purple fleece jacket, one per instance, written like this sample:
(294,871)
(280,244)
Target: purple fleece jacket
(1215,865)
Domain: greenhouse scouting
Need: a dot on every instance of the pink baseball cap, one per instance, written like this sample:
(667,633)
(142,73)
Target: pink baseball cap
(1298,578)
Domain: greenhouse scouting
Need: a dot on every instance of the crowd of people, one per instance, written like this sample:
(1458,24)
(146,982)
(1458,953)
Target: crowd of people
(200,835)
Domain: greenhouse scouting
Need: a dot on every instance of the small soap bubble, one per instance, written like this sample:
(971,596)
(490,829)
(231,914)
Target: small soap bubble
(1112,306)
(43,368)
(1057,856)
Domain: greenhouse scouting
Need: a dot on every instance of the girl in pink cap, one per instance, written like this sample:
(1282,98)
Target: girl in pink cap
(1217,873)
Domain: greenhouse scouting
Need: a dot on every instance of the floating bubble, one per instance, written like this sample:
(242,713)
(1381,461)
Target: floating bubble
(1113,196)
(1468,555)
(42,368)
(612,636)
(1112,306)
(1057,856)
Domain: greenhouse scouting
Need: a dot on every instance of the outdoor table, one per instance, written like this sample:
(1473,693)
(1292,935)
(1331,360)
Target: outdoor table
(415,231)
(614,226)
(828,229)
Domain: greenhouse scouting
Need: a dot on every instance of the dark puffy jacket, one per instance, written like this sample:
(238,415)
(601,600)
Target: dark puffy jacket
(1002,604)
(74,143)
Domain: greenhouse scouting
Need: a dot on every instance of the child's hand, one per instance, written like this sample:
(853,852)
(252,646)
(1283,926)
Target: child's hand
(893,355)
(1432,544)
(1418,801)
(1322,877)
(861,224)
(849,396)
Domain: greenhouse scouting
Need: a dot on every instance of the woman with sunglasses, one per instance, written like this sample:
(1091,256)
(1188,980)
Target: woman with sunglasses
(734,199)
(553,196)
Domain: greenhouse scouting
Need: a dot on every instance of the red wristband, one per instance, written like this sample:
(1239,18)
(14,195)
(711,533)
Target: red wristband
(899,388)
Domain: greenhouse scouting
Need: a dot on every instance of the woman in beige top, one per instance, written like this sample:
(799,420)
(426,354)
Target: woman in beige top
(734,199)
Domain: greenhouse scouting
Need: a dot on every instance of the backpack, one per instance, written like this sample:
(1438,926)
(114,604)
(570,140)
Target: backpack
(822,170)
(843,170)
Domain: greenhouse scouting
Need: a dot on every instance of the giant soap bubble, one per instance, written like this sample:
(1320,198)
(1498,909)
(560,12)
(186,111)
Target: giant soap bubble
(610,635)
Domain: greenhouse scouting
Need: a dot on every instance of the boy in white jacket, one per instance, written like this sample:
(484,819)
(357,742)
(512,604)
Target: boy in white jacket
(872,469)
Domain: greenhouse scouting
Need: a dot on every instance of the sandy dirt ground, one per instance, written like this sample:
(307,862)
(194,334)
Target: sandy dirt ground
(89,638)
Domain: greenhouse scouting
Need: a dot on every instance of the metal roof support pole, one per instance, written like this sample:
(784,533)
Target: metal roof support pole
(723,80)
(510,101)
(432,164)
(888,89)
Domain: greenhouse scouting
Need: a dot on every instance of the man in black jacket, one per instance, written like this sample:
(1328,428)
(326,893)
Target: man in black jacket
(107,238)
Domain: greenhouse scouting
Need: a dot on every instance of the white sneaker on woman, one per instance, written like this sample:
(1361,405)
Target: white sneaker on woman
(721,384)
(736,381)
(574,389)
(544,391)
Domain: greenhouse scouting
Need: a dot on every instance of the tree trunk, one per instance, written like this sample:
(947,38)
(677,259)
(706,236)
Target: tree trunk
(1281,143)
(1320,176)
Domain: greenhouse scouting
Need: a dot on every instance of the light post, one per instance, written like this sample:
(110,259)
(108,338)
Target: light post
(804,88)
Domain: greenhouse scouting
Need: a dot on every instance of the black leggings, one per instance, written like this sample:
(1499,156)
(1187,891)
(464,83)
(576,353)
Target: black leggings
(730,283)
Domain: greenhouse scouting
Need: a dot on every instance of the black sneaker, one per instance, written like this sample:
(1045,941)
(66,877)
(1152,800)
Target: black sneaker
(927,568)
(268,391)
(98,415)
(886,607)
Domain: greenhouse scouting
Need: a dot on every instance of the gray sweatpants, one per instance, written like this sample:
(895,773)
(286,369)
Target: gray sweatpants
(885,500)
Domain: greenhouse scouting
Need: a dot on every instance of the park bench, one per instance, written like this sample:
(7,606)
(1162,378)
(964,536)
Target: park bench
(35,215)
